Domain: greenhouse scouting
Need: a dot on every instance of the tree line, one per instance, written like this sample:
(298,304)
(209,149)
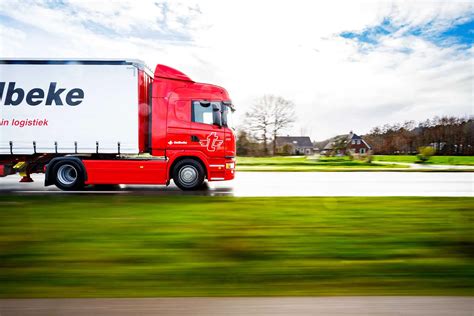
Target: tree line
(448,135)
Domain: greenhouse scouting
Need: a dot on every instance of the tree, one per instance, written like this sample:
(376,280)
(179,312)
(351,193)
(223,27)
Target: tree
(447,135)
(243,143)
(268,117)
(283,115)
(287,150)
(258,120)
(247,145)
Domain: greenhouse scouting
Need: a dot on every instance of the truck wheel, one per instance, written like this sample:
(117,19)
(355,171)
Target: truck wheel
(188,174)
(68,176)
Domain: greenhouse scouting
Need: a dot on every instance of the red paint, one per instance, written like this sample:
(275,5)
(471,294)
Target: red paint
(166,72)
(169,120)
(144,90)
(126,171)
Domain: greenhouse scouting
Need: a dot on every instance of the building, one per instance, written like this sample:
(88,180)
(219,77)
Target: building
(294,145)
(347,143)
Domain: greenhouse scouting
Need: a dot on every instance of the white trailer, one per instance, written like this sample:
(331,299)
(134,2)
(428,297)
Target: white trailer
(86,107)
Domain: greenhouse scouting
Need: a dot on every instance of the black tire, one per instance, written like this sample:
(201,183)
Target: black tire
(68,176)
(188,174)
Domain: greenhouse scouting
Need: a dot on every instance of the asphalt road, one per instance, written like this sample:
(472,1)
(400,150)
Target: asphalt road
(291,184)
(294,306)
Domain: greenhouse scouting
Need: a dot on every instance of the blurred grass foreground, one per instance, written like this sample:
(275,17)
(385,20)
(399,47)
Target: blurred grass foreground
(139,246)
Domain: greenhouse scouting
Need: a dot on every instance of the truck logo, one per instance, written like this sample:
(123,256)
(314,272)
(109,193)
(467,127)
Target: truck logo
(14,96)
(177,142)
(212,142)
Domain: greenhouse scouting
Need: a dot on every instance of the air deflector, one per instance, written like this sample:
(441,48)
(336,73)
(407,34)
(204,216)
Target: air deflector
(166,72)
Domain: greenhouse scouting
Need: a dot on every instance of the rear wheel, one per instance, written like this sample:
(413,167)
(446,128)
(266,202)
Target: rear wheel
(68,176)
(188,174)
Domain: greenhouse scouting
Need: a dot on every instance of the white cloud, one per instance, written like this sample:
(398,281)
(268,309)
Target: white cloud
(290,48)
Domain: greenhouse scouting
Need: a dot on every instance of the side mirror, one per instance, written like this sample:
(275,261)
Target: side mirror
(216,115)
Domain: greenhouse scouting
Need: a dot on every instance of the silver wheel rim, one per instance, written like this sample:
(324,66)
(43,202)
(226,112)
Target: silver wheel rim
(67,174)
(188,175)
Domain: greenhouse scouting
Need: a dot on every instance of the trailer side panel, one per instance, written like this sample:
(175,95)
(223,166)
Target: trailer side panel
(68,108)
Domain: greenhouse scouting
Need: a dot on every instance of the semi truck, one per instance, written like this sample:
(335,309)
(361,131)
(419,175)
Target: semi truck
(107,122)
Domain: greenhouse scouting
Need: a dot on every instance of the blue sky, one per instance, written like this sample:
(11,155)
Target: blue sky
(348,65)
(459,32)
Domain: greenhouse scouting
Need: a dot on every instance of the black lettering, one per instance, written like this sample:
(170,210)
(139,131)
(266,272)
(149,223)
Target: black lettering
(2,87)
(11,95)
(54,95)
(35,93)
(75,94)
(20,93)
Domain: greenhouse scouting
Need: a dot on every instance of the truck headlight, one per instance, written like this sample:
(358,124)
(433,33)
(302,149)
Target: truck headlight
(230,165)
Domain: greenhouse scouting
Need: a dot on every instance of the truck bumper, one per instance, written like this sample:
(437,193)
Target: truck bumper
(222,170)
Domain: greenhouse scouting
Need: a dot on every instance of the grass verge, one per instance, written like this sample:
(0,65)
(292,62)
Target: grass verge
(305,164)
(143,246)
(435,160)
(333,164)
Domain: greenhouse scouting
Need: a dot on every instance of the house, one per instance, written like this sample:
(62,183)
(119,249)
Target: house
(294,145)
(346,143)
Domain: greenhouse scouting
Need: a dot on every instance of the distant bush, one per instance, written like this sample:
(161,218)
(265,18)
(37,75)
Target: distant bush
(425,153)
(287,149)
(369,157)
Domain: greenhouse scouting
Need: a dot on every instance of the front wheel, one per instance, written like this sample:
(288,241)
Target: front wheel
(68,176)
(188,174)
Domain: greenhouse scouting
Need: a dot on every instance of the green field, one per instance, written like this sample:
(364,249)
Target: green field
(145,246)
(437,160)
(307,164)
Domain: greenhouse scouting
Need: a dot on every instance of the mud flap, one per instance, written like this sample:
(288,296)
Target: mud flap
(6,170)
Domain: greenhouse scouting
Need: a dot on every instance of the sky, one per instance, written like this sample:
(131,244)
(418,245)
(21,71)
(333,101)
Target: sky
(347,65)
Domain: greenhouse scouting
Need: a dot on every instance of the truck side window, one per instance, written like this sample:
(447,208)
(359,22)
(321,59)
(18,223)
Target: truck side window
(202,112)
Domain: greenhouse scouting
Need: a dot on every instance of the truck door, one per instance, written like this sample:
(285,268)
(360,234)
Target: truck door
(206,135)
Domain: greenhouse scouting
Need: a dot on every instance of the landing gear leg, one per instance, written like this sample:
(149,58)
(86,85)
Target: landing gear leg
(26,178)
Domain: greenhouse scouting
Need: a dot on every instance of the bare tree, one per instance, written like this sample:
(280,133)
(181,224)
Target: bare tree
(258,120)
(268,117)
(283,115)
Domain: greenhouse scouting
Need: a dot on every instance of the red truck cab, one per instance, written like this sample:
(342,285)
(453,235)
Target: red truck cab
(199,126)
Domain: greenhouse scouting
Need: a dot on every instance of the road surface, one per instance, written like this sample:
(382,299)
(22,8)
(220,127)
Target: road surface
(292,184)
(294,306)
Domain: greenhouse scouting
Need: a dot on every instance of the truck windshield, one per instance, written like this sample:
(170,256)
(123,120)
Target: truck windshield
(228,115)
